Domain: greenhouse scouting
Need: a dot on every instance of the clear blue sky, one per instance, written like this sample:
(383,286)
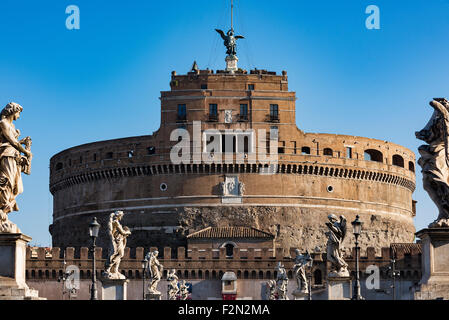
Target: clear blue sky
(103,81)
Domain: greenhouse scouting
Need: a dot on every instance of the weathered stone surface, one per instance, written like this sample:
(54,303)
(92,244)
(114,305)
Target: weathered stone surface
(297,227)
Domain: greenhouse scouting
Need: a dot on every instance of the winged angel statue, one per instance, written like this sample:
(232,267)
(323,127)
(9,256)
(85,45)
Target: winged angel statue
(434,159)
(230,41)
(336,235)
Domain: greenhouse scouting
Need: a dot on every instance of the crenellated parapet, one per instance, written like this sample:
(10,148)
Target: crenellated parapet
(251,263)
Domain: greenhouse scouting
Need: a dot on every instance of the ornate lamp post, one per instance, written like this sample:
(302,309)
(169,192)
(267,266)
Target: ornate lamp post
(394,274)
(144,264)
(357,229)
(94,227)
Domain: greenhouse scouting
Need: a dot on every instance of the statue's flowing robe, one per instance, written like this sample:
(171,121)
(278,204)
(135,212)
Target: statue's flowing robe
(434,163)
(300,273)
(10,169)
(117,246)
(333,246)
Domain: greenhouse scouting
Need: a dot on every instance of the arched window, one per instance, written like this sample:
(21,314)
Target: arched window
(373,155)
(229,246)
(206,274)
(317,277)
(253,275)
(305,150)
(398,161)
(411,166)
(260,274)
(214,274)
(229,250)
(245,274)
(328,152)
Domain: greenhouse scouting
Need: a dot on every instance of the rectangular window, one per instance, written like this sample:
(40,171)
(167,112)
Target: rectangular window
(243,112)
(250,87)
(182,113)
(349,152)
(213,109)
(281,148)
(213,112)
(274,112)
(204,86)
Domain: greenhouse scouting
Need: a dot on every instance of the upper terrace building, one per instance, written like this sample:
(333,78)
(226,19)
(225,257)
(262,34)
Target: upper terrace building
(257,169)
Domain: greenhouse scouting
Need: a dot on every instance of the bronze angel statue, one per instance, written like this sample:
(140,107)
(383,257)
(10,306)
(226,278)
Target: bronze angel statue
(336,235)
(434,159)
(15,158)
(230,41)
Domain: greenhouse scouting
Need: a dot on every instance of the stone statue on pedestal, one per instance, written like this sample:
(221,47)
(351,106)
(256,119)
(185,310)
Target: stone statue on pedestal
(434,159)
(173,289)
(336,235)
(155,271)
(230,41)
(281,282)
(118,235)
(299,269)
(15,158)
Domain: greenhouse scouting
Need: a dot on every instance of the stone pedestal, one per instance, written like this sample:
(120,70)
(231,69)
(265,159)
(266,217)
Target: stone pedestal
(435,264)
(114,289)
(339,288)
(12,268)
(231,63)
(153,296)
(300,295)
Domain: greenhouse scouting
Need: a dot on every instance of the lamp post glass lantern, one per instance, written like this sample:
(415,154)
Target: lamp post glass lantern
(357,230)
(144,264)
(309,266)
(94,227)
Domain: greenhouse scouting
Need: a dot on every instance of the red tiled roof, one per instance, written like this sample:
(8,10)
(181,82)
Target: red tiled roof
(230,232)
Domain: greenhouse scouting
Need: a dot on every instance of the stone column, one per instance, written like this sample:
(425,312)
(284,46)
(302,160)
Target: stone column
(434,283)
(114,289)
(339,288)
(12,268)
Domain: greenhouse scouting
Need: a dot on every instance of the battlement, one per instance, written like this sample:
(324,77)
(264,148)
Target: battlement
(251,263)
